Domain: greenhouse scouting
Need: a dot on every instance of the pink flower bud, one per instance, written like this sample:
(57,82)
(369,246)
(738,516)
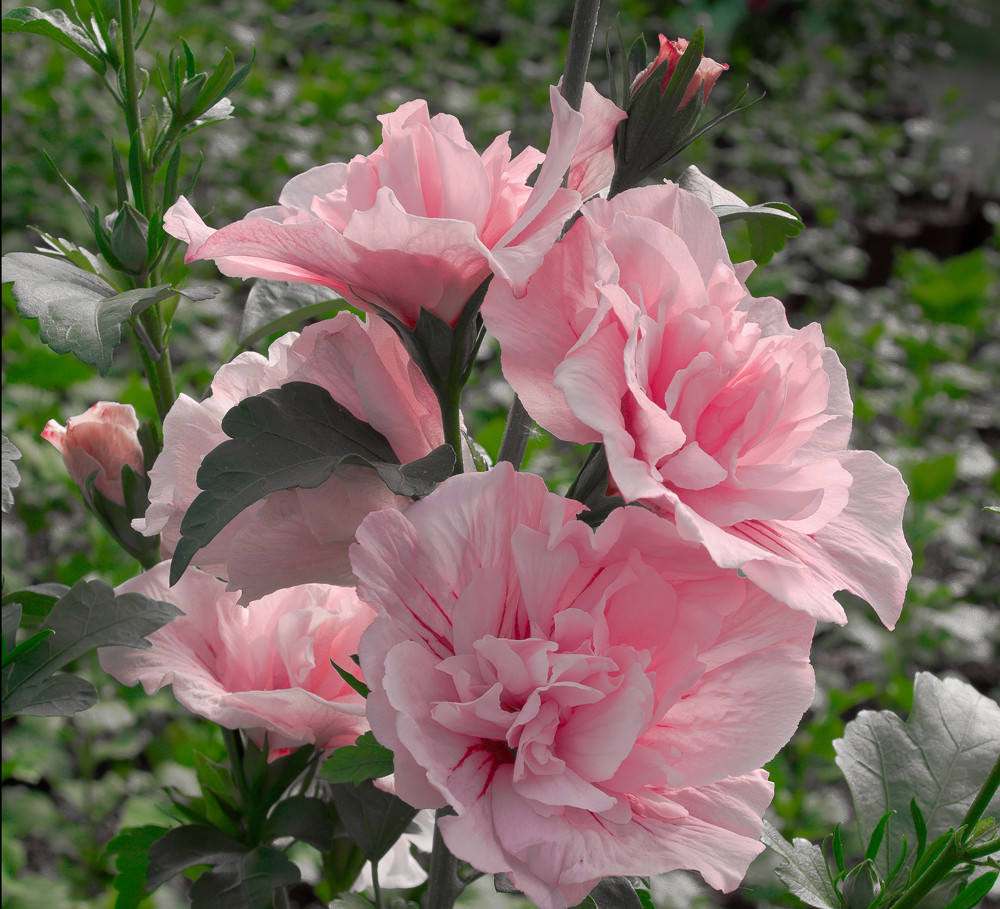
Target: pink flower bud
(708,70)
(104,438)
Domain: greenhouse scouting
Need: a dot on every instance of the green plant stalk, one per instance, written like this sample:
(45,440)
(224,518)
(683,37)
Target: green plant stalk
(155,357)
(581,41)
(443,884)
(952,853)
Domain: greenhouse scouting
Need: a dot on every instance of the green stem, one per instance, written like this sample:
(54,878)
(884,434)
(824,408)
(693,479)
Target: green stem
(983,798)
(951,855)
(443,884)
(515,434)
(133,117)
(281,900)
(581,42)
(376,886)
(155,357)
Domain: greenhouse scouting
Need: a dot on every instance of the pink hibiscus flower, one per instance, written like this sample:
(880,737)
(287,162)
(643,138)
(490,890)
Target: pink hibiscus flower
(638,332)
(265,669)
(589,703)
(417,224)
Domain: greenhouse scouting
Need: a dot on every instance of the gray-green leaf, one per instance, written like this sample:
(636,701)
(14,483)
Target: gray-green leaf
(77,311)
(769,224)
(60,28)
(11,478)
(274,306)
(940,757)
(804,871)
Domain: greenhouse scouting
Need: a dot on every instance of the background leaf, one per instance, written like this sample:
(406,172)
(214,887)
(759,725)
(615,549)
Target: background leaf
(940,757)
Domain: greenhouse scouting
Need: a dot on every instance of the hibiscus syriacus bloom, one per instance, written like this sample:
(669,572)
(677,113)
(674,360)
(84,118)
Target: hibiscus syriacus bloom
(703,80)
(297,536)
(417,224)
(102,440)
(265,669)
(638,332)
(589,703)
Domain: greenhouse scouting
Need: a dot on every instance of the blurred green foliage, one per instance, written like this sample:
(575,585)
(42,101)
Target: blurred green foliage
(897,261)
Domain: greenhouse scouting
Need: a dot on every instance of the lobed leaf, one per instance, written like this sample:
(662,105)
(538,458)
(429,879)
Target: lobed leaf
(366,759)
(296,435)
(77,311)
(89,615)
(937,759)
(131,851)
(182,847)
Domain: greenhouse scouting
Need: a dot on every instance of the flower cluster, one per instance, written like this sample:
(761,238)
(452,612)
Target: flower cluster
(587,701)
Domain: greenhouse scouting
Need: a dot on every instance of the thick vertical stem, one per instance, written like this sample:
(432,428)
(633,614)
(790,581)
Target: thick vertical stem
(443,884)
(581,41)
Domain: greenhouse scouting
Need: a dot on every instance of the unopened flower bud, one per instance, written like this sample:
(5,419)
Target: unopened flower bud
(101,440)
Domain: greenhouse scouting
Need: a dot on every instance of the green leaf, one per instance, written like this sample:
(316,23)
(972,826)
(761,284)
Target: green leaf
(131,851)
(60,28)
(10,620)
(248,882)
(26,646)
(88,616)
(11,478)
(304,817)
(374,819)
(769,224)
(938,758)
(274,306)
(352,680)
(296,435)
(37,601)
(366,759)
(183,847)
(804,871)
(875,843)
(973,893)
(615,893)
(77,311)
